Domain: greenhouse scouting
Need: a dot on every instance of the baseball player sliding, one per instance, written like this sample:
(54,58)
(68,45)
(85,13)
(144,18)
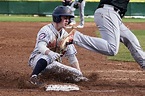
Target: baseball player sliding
(73,5)
(47,54)
(108,18)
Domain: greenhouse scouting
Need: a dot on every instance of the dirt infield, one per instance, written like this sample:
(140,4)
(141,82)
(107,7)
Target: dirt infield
(107,78)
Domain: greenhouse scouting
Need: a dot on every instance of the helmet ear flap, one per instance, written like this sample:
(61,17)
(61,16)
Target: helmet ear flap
(57,19)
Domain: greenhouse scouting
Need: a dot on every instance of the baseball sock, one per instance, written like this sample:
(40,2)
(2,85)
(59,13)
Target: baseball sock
(40,66)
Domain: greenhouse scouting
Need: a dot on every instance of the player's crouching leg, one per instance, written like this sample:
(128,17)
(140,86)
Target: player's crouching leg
(65,73)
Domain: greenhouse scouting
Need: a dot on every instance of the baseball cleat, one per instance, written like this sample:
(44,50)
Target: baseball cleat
(80,26)
(35,81)
(67,40)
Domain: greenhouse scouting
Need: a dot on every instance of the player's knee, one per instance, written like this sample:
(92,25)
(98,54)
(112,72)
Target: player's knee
(113,52)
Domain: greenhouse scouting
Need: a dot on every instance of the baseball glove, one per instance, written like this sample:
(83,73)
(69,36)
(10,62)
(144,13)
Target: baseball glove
(76,5)
(80,1)
(66,3)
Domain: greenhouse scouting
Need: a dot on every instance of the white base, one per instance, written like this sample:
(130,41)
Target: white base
(64,87)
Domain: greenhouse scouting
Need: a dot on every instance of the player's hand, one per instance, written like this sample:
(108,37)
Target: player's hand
(53,55)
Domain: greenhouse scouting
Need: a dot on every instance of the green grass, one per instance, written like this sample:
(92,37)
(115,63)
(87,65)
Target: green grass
(30,18)
(123,54)
(133,20)
(22,18)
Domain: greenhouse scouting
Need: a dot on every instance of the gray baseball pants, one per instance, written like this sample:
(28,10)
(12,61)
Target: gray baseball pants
(112,31)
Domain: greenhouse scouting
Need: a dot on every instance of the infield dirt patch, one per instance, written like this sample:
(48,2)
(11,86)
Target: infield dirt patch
(107,78)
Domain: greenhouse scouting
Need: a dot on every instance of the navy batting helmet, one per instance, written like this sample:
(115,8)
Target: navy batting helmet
(61,11)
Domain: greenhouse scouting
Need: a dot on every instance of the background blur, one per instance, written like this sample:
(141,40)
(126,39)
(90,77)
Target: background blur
(60,0)
(45,7)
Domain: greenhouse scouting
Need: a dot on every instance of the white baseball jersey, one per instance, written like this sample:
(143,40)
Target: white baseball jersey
(52,37)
